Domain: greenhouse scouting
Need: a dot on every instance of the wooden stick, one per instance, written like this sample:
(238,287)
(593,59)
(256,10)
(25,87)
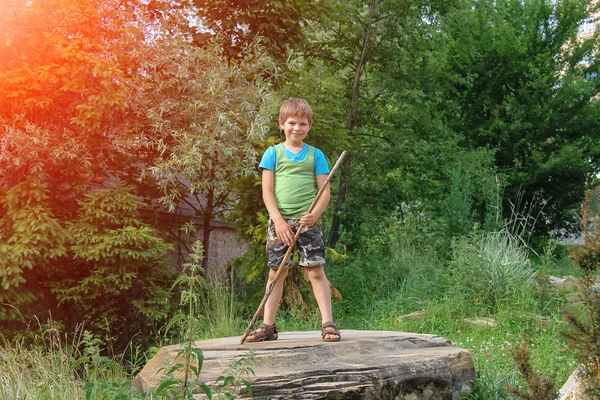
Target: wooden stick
(271,284)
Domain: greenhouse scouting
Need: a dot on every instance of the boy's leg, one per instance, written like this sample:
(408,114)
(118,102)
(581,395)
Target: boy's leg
(320,286)
(311,251)
(272,303)
(275,254)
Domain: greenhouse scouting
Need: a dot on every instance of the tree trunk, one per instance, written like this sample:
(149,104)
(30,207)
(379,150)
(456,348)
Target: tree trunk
(334,232)
(207,228)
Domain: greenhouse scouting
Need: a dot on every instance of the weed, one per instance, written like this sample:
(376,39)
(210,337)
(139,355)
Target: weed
(194,289)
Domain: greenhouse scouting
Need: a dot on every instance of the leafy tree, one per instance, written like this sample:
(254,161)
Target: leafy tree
(67,71)
(280,25)
(32,240)
(112,273)
(376,100)
(202,118)
(515,79)
(61,95)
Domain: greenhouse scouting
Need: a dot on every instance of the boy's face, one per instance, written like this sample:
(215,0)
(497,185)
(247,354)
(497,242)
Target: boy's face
(295,128)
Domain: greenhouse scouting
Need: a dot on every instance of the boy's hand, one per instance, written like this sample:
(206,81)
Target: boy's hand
(308,219)
(283,231)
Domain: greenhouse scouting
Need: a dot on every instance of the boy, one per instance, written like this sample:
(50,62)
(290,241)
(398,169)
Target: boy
(292,172)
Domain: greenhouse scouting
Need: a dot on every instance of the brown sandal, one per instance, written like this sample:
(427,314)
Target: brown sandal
(264,332)
(329,328)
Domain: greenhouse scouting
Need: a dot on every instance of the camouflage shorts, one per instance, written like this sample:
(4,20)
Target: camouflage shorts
(310,246)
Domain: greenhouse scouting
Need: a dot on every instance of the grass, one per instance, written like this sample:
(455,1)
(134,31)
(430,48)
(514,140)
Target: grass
(491,346)
(51,367)
(35,373)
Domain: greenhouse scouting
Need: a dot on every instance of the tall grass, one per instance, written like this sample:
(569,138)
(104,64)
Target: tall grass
(33,373)
(218,310)
(215,314)
(48,368)
(51,366)
(490,268)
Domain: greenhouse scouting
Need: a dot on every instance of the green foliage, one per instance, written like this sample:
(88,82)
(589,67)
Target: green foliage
(393,267)
(201,132)
(31,240)
(113,271)
(237,24)
(373,103)
(514,78)
(104,378)
(474,194)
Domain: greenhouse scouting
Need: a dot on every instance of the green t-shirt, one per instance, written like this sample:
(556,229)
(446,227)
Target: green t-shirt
(295,183)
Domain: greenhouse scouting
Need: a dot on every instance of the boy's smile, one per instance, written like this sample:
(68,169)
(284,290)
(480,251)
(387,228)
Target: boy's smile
(295,129)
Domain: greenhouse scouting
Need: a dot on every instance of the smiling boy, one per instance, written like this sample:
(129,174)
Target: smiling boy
(292,173)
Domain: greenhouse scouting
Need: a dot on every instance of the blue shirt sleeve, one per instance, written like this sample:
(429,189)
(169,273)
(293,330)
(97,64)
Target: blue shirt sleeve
(321,167)
(269,160)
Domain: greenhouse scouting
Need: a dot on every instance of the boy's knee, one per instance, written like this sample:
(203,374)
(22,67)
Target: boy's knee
(316,273)
(282,275)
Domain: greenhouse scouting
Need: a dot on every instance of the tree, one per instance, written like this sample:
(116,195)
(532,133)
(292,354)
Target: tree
(280,25)
(373,59)
(203,117)
(62,95)
(516,80)
(113,272)
(66,74)
(32,239)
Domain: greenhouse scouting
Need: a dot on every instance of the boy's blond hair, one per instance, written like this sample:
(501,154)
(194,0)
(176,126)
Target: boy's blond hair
(295,108)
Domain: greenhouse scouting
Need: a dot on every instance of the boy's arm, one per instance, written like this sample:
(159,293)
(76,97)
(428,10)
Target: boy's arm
(309,219)
(282,229)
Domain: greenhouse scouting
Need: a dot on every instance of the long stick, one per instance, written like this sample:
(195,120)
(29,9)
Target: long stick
(271,284)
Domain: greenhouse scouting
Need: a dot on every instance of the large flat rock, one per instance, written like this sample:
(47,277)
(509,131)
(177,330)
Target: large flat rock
(363,365)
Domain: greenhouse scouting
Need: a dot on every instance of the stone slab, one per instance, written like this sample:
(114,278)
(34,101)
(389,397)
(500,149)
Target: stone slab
(364,364)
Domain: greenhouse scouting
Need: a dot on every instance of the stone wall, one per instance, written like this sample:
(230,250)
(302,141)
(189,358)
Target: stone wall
(224,246)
